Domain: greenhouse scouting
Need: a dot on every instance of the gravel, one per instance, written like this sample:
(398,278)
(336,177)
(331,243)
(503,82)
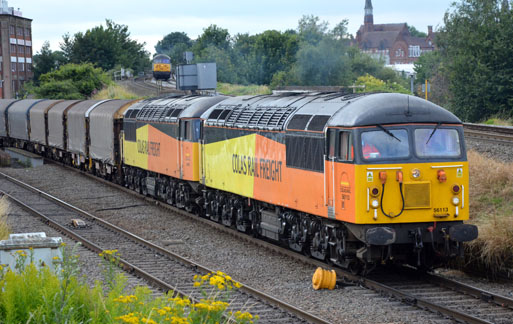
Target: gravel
(90,264)
(499,152)
(275,274)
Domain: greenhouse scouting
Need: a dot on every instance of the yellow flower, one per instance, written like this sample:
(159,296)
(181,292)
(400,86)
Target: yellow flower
(197,284)
(56,258)
(148,321)
(126,299)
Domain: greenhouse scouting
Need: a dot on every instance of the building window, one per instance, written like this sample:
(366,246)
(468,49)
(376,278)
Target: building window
(399,52)
(13,49)
(414,50)
(19,31)
(29,67)
(27,32)
(13,66)
(21,67)
(11,30)
(28,50)
(21,49)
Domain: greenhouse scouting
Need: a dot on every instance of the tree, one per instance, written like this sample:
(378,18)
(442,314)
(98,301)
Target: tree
(47,60)
(72,81)
(430,67)
(212,36)
(106,47)
(311,29)
(174,45)
(373,84)
(416,33)
(477,53)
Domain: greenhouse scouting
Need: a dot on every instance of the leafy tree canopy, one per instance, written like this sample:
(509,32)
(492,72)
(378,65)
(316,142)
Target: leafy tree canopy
(72,81)
(373,84)
(105,47)
(174,45)
(415,32)
(47,60)
(477,56)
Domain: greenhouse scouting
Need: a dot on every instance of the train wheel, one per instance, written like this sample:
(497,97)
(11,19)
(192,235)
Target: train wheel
(355,267)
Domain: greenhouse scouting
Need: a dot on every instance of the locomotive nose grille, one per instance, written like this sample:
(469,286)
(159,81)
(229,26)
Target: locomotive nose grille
(417,195)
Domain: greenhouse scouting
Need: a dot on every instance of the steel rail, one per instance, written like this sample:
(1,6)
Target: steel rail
(497,134)
(471,291)
(132,268)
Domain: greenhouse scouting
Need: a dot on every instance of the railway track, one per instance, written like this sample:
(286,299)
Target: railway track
(491,133)
(161,268)
(449,298)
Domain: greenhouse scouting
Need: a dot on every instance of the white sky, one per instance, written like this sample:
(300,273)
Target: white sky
(151,20)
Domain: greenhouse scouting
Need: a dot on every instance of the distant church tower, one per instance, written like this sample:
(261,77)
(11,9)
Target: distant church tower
(368,20)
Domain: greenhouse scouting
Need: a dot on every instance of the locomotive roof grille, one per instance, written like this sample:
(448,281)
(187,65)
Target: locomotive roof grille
(272,118)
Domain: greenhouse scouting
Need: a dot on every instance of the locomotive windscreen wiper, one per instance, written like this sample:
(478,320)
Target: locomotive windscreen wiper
(433,132)
(387,131)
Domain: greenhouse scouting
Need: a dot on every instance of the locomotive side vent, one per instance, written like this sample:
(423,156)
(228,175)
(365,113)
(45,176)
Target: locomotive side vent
(318,122)
(299,122)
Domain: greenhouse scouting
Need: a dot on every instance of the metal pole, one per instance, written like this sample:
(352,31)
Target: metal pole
(411,84)
(426,89)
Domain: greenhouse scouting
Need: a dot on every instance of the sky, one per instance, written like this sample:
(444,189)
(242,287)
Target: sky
(149,21)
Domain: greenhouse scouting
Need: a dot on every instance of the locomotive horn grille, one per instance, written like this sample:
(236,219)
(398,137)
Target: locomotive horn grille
(417,195)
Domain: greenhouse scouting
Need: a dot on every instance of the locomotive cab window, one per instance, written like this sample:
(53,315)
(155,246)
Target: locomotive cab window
(346,151)
(191,130)
(437,142)
(340,145)
(385,144)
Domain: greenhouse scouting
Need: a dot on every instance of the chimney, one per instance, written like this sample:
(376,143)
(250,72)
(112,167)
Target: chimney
(430,30)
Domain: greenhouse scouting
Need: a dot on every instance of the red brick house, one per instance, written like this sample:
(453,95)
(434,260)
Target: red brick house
(391,42)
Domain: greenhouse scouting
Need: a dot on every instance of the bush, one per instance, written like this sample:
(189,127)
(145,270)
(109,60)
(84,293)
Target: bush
(72,81)
(373,84)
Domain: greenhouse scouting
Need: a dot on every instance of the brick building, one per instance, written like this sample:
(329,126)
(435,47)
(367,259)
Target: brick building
(15,51)
(391,42)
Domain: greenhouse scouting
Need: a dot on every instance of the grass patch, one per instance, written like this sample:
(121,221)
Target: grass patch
(241,90)
(115,91)
(491,209)
(4,228)
(498,121)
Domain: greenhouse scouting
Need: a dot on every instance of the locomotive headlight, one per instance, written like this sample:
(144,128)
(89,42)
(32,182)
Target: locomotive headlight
(375,203)
(415,174)
(455,201)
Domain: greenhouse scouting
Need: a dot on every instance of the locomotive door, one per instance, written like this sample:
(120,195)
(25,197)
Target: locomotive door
(329,172)
(339,174)
(190,131)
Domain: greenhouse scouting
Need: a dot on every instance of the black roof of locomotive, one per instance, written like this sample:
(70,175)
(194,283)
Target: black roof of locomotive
(314,111)
(390,108)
